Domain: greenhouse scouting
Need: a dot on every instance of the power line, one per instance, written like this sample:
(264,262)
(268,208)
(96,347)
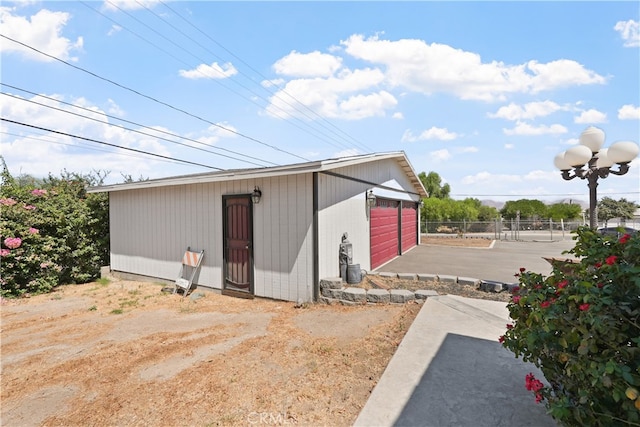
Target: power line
(535,195)
(83,148)
(154,99)
(339,131)
(107,143)
(204,61)
(123,127)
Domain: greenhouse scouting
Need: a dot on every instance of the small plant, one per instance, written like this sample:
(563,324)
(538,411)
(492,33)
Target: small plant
(103,281)
(93,308)
(581,327)
(117,311)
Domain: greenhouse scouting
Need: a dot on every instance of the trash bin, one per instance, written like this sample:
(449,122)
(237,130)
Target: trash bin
(354,274)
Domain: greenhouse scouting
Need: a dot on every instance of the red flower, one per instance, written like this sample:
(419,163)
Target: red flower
(538,397)
(600,285)
(522,269)
(545,304)
(563,284)
(537,286)
(611,260)
(584,307)
(625,238)
(509,326)
(501,339)
(597,265)
(515,290)
(516,299)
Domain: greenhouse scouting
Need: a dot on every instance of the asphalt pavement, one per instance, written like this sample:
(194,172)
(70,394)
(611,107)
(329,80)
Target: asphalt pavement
(499,263)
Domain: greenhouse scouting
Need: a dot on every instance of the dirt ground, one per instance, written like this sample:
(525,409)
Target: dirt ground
(456,241)
(126,353)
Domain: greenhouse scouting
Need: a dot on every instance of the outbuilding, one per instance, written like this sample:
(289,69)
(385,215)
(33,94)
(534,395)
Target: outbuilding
(271,232)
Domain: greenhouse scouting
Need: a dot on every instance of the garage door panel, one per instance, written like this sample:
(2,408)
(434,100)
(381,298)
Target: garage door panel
(384,233)
(409,227)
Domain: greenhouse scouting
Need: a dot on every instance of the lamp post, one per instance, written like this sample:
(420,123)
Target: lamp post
(591,162)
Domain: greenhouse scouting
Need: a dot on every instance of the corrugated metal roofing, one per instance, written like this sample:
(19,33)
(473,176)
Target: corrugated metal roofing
(253,173)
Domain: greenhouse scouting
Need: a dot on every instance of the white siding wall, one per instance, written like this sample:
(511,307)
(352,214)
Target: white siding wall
(342,208)
(151,228)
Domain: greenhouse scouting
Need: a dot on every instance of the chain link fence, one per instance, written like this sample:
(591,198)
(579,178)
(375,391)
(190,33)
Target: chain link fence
(511,229)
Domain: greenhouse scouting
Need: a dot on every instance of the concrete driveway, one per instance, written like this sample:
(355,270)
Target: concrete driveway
(498,263)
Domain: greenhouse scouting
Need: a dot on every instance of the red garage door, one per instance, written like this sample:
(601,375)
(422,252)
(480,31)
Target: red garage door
(384,232)
(409,225)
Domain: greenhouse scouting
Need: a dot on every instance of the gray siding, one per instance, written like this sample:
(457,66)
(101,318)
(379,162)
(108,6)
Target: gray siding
(151,228)
(342,208)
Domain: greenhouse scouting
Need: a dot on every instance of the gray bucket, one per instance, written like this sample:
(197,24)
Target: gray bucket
(354,274)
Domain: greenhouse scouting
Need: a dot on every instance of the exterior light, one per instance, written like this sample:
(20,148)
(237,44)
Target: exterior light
(578,155)
(256,195)
(623,151)
(591,162)
(371,199)
(592,138)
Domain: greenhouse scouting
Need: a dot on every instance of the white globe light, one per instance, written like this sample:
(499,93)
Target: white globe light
(560,162)
(593,138)
(578,155)
(603,159)
(623,151)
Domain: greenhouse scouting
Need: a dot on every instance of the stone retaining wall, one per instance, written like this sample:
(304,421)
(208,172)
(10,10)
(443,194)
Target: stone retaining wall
(334,291)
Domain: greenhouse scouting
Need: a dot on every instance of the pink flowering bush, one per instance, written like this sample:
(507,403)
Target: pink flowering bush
(52,233)
(581,327)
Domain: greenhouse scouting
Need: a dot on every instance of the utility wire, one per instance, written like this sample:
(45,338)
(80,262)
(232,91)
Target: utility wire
(125,128)
(314,113)
(83,148)
(154,99)
(109,144)
(199,59)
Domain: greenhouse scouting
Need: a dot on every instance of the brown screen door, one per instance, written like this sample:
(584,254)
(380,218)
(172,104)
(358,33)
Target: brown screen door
(238,244)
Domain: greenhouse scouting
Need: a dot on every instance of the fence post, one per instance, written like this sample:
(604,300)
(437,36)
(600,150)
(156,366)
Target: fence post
(562,227)
(551,228)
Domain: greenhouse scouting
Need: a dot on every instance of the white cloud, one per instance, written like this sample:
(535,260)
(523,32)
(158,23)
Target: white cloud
(51,152)
(314,64)
(508,146)
(428,68)
(346,153)
(629,112)
(129,4)
(629,32)
(487,177)
(213,71)
(114,109)
(398,115)
(440,155)
(527,129)
(529,111)
(591,117)
(339,96)
(540,175)
(42,31)
(114,30)
(470,149)
(441,134)
(571,141)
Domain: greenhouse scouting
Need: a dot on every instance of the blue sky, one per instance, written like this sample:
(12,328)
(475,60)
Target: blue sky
(484,93)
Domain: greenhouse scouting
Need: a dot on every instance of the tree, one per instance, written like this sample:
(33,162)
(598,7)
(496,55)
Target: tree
(433,184)
(609,208)
(528,209)
(558,211)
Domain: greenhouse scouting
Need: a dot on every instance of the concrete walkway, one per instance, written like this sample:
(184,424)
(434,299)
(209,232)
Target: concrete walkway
(450,370)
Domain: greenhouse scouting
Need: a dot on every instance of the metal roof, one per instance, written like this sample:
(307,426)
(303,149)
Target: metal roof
(255,173)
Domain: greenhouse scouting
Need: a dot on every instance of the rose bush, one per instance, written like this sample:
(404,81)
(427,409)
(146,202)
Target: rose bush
(52,233)
(581,327)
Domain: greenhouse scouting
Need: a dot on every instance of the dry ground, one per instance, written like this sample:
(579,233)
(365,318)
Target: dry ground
(125,353)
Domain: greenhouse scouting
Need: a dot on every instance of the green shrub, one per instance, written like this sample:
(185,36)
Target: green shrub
(52,233)
(581,327)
